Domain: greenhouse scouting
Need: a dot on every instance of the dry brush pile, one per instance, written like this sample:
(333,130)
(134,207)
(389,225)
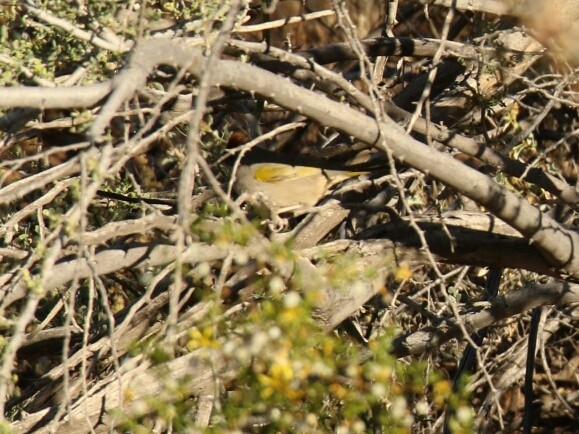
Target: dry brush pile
(140,292)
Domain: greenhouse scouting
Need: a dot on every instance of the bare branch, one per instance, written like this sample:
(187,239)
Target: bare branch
(505,306)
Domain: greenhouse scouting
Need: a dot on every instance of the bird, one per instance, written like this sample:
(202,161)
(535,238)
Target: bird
(288,182)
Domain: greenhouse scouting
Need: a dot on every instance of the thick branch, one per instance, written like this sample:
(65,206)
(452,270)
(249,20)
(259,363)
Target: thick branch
(54,97)
(502,307)
(110,260)
(402,46)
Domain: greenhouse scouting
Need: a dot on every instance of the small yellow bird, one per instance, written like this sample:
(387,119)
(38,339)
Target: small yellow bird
(285,182)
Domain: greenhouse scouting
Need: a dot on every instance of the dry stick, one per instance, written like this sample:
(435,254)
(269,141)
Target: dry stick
(69,320)
(262,54)
(77,215)
(381,61)
(520,137)
(13,253)
(97,281)
(56,97)
(15,119)
(19,189)
(39,156)
(7,229)
(544,89)
(110,260)
(84,354)
(147,379)
(101,346)
(530,369)
(193,139)
(283,22)
(126,227)
(395,46)
(497,7)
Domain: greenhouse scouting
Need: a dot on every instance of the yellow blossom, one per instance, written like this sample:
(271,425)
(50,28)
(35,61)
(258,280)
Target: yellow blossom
(403,272)
(204,338)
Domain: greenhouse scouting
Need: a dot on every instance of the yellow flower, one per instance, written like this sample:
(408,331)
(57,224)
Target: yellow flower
(204,338)
(403,272)
(279,380)
(441,391)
